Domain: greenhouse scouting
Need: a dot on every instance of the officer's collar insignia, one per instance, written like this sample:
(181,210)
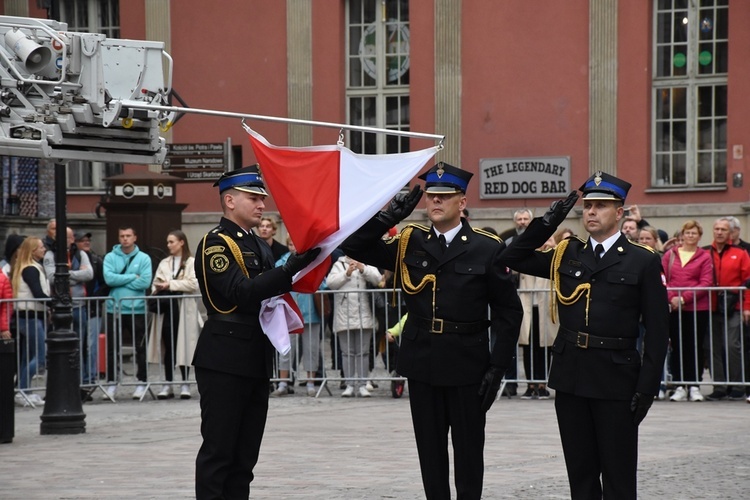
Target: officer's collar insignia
(464,238)
(598,178)
(239,234)
(620,249)
(440,171)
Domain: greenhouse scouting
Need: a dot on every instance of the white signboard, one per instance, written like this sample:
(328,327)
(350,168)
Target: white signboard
(506,178)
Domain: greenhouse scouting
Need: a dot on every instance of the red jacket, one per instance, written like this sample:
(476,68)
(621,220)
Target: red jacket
(698,272)
(731,268)
(6,308)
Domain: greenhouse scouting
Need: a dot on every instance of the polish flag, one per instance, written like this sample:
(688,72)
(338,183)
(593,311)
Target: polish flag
(325,193)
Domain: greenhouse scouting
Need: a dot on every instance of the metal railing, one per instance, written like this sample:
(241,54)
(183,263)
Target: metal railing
(123,349)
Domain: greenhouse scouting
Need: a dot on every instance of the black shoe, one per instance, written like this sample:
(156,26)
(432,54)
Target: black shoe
(529,394)
(543,393)
(717,396)
(397,388)
(737,395)
(86,395)
(342,385)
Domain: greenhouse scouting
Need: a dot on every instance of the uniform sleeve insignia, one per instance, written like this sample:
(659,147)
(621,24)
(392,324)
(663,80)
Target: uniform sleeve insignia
(219,263)
(214,249)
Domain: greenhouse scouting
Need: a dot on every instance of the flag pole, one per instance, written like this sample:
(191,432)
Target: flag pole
(295,121)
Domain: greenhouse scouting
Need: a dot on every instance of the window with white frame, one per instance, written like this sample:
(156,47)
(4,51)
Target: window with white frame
(377,68)
(690,93)
(91,16)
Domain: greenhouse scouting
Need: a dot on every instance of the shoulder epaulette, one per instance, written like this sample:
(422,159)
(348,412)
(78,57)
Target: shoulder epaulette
(487,234)
(421,227)
(642,246)
(576,237)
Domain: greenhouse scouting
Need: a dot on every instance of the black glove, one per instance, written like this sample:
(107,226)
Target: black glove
(640,405)
(401,206)
(559,210)
(490,385)
(298,261)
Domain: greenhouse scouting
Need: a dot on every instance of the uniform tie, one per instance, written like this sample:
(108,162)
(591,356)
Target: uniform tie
(443,244)
(598,251)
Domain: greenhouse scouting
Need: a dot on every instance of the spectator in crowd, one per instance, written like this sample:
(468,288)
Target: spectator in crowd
(734,234)
(353,319)
(604,286)
(127,271)
(521,219)
(731,266)
(6,308)
(29,282)
(630,229)
(445,354)
(675,240)
(537,330)
(688,266)
(49,238)
(267,231)
(12,242)
(234,358)
(96,287)
(649,236)
(80,273)
(177,323)
(392,334)
(310,338)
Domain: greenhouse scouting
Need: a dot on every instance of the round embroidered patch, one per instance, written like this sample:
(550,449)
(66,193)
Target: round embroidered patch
(219,263)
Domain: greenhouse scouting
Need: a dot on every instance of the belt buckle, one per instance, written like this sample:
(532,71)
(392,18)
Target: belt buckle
(434,326)
(585,337)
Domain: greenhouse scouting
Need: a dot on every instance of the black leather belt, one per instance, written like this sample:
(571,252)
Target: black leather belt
(586,340)
(437,325)
(245,319)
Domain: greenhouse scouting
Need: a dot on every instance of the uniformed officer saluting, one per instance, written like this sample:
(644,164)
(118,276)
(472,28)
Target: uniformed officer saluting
(233,358)
(603,287)
(449,273)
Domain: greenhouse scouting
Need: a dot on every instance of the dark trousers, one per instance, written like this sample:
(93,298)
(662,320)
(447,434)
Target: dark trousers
(435,411)
(687,330)
(169,325)
(135,324)
(598,439)
(233,418)
(535,355)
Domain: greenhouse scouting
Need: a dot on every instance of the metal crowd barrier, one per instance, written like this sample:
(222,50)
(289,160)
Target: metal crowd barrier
(113,344)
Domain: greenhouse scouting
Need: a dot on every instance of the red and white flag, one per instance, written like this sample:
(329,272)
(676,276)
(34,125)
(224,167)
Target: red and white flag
(325,193)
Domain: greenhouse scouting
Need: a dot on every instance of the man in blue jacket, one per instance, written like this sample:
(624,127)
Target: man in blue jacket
(127,271)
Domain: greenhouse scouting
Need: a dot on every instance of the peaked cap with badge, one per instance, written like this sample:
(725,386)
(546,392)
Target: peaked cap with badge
(603,186)
(247,179)
(443,178)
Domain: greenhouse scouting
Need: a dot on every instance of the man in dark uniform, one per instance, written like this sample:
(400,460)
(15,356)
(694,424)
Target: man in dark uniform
(450,274)
(603,287)
(233,357)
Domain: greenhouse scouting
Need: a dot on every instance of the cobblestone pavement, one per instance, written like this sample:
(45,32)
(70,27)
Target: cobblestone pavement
(333,448)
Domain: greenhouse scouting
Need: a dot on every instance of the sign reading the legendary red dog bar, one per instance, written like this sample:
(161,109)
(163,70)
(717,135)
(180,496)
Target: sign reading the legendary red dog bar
(506,178)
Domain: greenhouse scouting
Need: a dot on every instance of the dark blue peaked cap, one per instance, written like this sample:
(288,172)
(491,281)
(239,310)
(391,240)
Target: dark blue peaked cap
(445,179)
(246,179)
(603,186)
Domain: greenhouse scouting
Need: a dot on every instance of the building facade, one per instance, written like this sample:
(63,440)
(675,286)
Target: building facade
(532,97)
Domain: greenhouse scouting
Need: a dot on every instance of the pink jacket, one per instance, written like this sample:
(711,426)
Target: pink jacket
(6,308)
(698,272)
